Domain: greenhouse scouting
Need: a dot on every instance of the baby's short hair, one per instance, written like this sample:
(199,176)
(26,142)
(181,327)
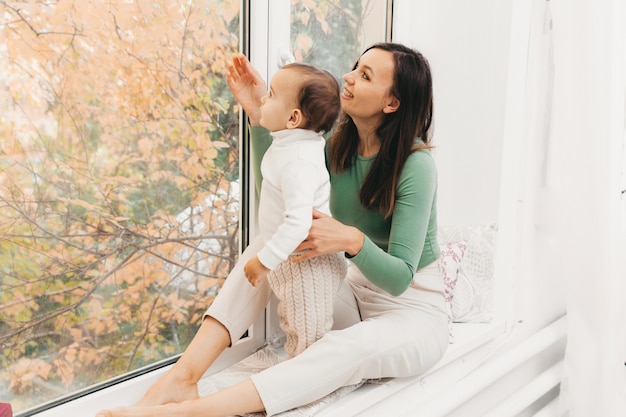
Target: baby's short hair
(318,96)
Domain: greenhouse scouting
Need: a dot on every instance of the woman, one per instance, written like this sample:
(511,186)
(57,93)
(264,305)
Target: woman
(383,202)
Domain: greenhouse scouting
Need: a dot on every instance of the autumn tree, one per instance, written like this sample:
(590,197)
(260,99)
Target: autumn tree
(330,33)
(119,198)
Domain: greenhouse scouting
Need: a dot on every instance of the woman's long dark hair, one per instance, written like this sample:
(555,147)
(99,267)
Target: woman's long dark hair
(398,132)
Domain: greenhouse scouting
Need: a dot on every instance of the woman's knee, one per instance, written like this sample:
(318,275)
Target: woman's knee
(345,309)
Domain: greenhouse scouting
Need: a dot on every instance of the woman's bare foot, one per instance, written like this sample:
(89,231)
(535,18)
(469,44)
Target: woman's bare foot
(158,400)
(176,392)
(169,389)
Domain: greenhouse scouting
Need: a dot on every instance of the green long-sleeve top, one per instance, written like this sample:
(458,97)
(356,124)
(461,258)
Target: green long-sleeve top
(394,248)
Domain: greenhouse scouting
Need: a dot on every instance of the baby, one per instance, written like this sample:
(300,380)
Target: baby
(303,103)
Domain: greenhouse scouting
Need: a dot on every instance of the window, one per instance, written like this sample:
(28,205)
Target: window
(333,34)
(123,198)
(119,186)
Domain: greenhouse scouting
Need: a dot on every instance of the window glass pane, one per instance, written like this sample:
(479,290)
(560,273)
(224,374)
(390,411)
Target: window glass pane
(119,185)
(333,33)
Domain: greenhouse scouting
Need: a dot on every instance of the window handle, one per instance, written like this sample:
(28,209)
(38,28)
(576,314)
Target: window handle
(285,57)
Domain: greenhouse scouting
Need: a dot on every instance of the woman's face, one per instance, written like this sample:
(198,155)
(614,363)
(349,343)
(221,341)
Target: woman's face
(367,89)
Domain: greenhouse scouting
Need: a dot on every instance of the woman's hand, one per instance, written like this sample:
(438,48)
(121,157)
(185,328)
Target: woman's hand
(247,86)
(328,235)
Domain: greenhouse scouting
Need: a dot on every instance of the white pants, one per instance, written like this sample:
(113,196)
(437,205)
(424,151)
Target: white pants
(377,335)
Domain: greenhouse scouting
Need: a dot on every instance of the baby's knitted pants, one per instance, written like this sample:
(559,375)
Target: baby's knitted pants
(305,291)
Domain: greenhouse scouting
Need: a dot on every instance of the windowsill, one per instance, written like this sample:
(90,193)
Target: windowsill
(473,344)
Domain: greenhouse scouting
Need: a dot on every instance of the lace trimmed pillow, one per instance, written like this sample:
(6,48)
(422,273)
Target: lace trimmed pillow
(452,254)
(467,260)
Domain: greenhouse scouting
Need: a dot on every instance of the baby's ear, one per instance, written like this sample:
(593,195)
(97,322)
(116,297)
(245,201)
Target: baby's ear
(296,119)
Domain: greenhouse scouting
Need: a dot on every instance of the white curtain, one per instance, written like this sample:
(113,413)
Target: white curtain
(588,135)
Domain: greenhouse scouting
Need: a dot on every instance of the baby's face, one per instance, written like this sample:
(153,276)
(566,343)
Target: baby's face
(279,103)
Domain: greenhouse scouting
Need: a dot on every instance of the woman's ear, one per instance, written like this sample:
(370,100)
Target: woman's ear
(296,119)
(392,105)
